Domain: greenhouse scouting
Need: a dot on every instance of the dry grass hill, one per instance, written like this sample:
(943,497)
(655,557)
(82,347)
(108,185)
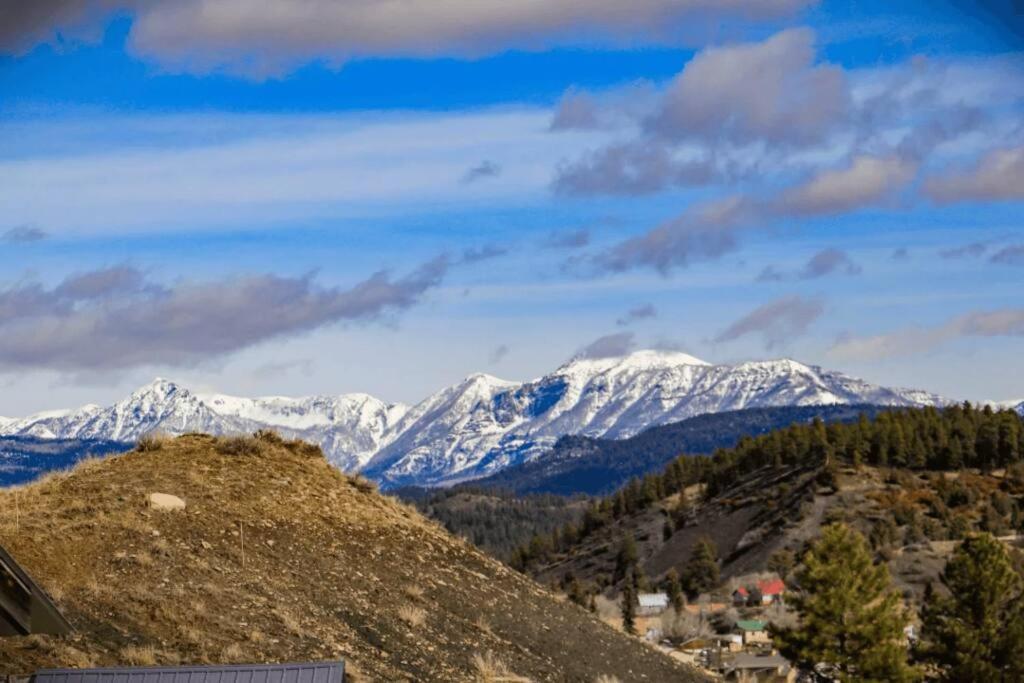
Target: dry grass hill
(280,557)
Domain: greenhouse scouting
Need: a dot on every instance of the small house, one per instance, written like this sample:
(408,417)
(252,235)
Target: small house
(651,604)
(764,592)
(753,631)
(771,591)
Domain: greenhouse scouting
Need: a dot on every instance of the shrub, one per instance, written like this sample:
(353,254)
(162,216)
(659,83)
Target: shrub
(241,446)
(139,655)
(363,484)
(490,669)
(152,441)
(412,615)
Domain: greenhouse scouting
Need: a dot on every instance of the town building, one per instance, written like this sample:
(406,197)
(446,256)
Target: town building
(753,631)
(651,604)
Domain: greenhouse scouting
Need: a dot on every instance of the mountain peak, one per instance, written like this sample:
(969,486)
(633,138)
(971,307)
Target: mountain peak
(159,386)
(484,378)
(643,359)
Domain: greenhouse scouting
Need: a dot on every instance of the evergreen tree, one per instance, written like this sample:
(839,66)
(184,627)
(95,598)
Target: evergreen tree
(977,632)
(701,572)
(577,594)
(626,559)
(850,618)
(675,591)
(629,608)
(781,562)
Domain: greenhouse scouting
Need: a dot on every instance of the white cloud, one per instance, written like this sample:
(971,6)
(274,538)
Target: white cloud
(776,322)
(113,318)
(773,92)
(273,36)
(866,180)
(915,340)
(997,176)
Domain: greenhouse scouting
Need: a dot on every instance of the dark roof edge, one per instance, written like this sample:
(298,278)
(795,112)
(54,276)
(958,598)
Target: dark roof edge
(197,667)
(38,592)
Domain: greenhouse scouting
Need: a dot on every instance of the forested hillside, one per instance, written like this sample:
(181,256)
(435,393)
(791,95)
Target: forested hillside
(494,520)
(580,464)
(906,477)
(24,458)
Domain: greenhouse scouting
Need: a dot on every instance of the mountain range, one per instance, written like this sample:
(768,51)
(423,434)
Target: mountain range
(482,424)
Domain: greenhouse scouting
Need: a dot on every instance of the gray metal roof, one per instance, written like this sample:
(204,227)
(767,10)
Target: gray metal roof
(318,672)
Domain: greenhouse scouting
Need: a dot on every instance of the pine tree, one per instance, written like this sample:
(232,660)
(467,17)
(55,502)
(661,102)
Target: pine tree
(629,608)
(577,594)
(701,572)
(850,618)
(626,559)
(977,632)
(675,591)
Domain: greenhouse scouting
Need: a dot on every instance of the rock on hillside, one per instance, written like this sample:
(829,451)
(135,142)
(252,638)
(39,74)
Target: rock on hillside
(278,556)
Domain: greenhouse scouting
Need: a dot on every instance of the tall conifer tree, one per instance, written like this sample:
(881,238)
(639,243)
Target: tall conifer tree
(850,617)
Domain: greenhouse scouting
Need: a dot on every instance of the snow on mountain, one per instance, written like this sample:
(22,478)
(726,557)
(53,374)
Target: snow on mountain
(1015,404)
(350,427)
(482,424)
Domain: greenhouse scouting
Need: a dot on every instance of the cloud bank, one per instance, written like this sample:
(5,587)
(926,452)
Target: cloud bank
(272,37)
(115,318)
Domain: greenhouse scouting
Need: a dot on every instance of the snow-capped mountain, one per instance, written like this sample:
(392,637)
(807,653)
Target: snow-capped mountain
(349,427)
(1016,405)
(482,424)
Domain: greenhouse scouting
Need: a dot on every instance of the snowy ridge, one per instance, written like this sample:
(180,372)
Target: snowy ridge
(349,427)
(1016,405)
(505,425)
(482,424)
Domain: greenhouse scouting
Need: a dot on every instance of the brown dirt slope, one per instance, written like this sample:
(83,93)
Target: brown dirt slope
(280,557)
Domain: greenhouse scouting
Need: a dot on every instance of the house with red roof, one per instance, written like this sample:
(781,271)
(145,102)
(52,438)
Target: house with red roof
(763,592)
(771,591)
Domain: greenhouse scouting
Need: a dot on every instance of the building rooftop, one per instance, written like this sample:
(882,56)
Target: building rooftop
(317,672)
(751,625)
(772,587)
(653,599)
(745,660)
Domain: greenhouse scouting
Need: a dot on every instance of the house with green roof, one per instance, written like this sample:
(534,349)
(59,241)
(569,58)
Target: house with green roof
(754,631)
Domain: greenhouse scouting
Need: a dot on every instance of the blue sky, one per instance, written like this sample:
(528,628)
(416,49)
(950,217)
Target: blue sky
(335,197)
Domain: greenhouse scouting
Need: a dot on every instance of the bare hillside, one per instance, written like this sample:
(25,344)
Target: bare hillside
(280,557)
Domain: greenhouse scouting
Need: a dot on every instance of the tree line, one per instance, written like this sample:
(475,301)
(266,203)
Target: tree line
(942,439)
